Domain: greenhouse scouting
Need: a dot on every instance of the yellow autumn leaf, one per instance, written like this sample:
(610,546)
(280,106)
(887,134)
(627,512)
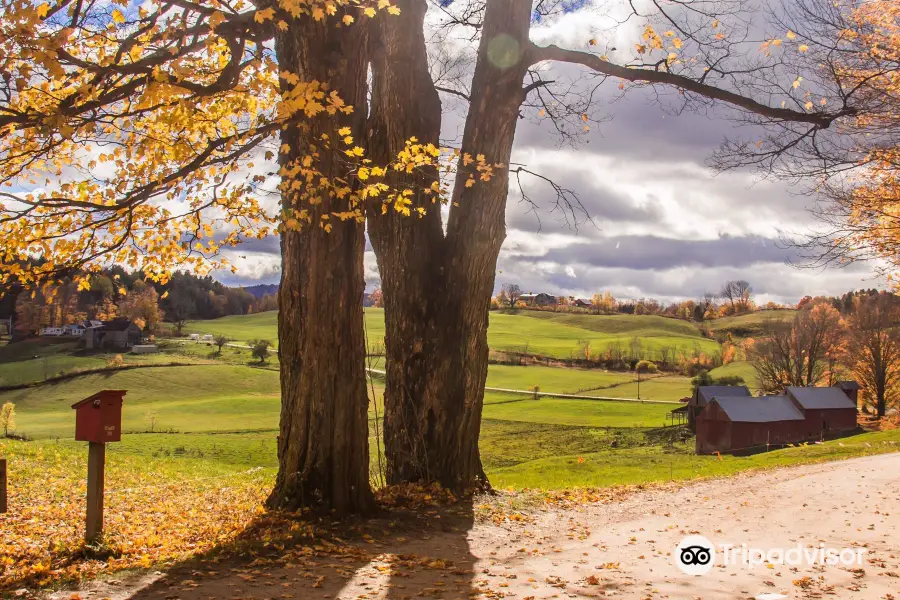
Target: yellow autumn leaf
(262,16)
(393,10)
(369,12)
(118,17)
(802,47)
(348,20)
(791,35)
(43,10)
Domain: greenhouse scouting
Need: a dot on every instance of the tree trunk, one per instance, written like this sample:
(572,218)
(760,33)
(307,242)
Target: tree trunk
(437,289)
(323,451)
(475,232)
(405,104)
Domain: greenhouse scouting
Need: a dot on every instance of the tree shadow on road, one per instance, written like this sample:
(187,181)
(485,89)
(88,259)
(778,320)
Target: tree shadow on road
(400,555)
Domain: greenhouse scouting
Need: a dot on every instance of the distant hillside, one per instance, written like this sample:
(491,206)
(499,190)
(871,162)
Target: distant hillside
(750,324)
(262,289)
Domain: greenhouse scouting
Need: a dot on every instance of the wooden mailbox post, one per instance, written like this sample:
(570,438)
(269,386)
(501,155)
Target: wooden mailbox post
(2,485)
(98,420)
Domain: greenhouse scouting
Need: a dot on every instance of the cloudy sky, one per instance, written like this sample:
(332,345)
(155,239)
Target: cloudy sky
(663,224)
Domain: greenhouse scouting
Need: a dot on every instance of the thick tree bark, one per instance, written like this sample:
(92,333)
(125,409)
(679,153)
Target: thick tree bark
(405,104)
(475,232)
(437,289)
(323,449)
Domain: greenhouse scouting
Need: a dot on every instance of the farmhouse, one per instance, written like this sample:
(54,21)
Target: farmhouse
(538,299)
(705,394)
(580,303)
(74,330)
(735,423)
(118,333)
(51,331)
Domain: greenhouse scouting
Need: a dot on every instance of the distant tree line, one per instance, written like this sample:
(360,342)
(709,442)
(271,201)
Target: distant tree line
(855,336)
(117,292)
(735,297)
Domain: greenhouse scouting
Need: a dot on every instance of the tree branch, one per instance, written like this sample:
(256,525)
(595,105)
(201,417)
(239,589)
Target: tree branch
(452,91)
(592,61)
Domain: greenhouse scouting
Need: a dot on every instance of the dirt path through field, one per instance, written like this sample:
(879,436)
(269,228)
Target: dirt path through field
(618,550)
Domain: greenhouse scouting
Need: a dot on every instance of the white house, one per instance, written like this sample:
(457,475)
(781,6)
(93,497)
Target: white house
(51,331)
(75,330)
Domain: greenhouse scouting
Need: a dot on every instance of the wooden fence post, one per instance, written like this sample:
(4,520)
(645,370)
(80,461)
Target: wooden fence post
(3,485)
(96,466)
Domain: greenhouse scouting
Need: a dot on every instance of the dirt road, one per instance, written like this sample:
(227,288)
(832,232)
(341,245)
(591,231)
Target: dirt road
(619,550)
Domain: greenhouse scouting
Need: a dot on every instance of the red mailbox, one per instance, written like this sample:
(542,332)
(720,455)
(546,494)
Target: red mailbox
(98,418)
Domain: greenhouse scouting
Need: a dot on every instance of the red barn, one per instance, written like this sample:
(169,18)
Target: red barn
(851,388)
(827,410)
(732,423)
(704,394)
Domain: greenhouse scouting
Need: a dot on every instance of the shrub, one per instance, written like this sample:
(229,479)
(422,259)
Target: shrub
(220,341)
(260,349)
(7,418)
(646,366)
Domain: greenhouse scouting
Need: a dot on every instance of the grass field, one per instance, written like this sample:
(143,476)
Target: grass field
(28,362)
(592,413)
(740,368)
(558,335)
(194,398)
(551,379)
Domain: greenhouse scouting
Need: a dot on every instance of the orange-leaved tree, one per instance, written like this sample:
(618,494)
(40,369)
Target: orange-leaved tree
(873,349)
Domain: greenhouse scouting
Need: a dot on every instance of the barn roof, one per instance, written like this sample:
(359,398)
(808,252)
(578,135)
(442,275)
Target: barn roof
(765,409)
(820,397)
(705,393)
(848,385)
(117,325)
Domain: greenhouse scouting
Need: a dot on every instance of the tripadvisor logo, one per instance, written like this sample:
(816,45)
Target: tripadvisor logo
(695,555)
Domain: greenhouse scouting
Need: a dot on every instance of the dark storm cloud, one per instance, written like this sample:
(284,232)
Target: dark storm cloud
(601,203)
(641,125)
(647,252)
